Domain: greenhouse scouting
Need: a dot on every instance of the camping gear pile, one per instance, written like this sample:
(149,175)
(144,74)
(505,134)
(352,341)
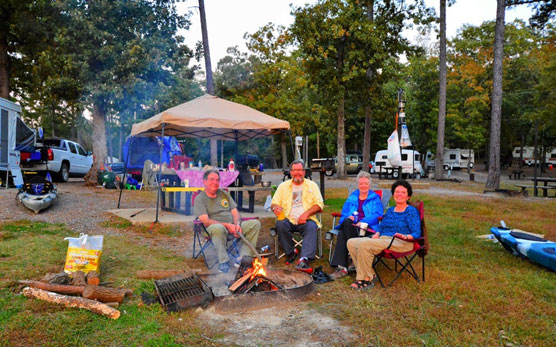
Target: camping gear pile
(37,194)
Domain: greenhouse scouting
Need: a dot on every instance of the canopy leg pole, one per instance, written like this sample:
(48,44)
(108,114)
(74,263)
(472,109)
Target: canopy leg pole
(125,170)
(291,143)
(236,146)
(159,173)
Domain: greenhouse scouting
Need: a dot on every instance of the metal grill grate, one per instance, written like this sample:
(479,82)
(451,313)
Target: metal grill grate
(179,292)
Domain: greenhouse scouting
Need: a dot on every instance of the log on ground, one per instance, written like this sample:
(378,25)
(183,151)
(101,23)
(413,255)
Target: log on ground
(58,288)
(104,294)
(71,301)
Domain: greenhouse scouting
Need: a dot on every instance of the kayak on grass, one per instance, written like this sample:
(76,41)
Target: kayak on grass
(535,248)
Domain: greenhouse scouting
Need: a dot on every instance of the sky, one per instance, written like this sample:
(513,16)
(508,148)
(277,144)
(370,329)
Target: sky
(229,20)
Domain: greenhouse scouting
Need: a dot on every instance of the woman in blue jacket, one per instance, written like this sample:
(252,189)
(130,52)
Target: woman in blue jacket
(367,204)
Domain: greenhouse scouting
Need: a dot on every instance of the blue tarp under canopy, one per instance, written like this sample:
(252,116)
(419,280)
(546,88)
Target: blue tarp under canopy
(144,148)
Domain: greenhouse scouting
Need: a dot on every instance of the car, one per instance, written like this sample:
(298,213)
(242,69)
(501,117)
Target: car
(354,164)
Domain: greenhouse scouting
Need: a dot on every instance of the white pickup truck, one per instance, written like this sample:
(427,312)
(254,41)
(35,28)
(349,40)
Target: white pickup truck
(63,158)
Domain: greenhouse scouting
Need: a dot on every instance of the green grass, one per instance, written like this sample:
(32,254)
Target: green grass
(475,293)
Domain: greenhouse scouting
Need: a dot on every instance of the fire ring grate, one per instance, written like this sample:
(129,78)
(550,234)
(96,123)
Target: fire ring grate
(180,292)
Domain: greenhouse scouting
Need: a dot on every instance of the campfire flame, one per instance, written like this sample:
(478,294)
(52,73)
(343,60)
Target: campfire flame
(258,269)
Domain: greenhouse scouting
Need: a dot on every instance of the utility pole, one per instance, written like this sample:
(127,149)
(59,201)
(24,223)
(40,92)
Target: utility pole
(210,83)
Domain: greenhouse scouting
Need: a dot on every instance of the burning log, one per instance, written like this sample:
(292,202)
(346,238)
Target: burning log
(58,288)
(252,277)
(71,301)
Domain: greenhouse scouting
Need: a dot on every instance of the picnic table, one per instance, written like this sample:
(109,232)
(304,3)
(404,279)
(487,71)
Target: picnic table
(389,172)
(544,187)
(180,199)
(516,174)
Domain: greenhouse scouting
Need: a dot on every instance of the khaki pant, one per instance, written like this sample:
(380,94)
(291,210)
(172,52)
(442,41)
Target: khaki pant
(364,249)
(219,235)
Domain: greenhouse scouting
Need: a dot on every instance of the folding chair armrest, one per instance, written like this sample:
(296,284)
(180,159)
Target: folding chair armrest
(336,214)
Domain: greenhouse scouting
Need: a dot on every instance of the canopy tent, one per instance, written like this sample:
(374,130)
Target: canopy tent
(209,117)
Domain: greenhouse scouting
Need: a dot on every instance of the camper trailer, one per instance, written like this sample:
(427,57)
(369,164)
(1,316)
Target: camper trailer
(529,155)
(14,137)
(458,158)
(408,166)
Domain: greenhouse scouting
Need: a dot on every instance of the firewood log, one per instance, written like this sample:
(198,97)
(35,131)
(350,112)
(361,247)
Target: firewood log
(71,301)
(56,278)
(93,278)
(104,294)
(157,274)
(78,278)
(58,288)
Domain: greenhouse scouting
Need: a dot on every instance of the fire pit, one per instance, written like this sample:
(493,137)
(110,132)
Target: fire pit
(292,285)
(179,292)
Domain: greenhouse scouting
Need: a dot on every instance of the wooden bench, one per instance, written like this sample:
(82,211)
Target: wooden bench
(178,200)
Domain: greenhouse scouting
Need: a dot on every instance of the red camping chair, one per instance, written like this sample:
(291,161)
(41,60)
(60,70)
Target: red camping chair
(405,259)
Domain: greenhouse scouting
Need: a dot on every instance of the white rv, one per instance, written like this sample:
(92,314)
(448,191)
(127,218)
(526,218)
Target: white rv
(458,158)
(408,166)
(14,136)
(529,155)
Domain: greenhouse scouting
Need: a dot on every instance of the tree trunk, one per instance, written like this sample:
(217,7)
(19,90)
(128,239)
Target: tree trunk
(493,179)
(99,134)
(4,67)
(341,138)
(367,139)
(72,301)
(439,165)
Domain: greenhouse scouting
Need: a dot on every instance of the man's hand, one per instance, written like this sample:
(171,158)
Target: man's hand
(303,218)
(277,209)
(233,229)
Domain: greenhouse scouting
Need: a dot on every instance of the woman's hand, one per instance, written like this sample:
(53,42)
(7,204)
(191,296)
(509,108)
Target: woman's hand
(375,235)
(404,237)
(351,217)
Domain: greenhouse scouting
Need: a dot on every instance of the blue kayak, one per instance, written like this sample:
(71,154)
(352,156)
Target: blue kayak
(536,249)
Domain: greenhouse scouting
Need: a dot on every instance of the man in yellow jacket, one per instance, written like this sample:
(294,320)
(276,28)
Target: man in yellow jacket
(295,204)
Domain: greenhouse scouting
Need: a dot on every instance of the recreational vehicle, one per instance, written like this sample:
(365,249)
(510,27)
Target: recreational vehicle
(409,167)
(529,155)
(458,158)
(14,137)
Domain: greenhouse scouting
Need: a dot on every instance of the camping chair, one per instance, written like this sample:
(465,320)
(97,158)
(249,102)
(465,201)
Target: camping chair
(330,235)
(202,244)
(297,241)
(405,259)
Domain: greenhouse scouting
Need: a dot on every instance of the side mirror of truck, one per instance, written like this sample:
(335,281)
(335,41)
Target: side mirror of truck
(89,153)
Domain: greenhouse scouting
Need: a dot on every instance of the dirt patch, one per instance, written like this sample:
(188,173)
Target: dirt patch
(293,325)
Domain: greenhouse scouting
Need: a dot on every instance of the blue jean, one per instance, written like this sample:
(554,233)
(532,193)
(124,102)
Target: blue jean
(285,228)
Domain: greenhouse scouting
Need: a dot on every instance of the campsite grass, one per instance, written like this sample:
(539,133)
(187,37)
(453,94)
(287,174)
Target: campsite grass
(475,293)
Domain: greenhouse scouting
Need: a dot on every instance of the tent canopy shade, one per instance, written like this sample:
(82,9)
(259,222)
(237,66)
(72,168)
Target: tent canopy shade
(213,118)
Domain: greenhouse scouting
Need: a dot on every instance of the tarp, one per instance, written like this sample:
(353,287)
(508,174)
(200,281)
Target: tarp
(211,117)
(148,148)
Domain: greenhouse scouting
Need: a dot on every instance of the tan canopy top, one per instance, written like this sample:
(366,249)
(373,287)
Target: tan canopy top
(211,117)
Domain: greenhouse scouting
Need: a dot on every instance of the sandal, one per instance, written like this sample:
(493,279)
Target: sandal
(363,285)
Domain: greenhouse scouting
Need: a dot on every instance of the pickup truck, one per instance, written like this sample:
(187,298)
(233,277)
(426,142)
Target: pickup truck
(63,158)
